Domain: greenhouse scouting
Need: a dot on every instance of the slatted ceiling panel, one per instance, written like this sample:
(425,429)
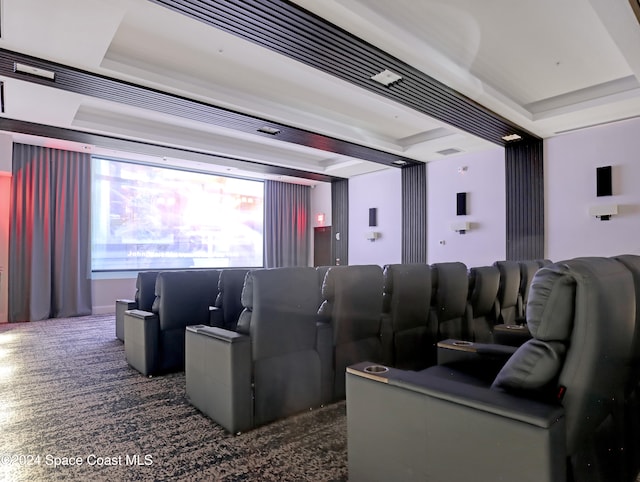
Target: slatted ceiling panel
(102,87)
(292,31)
(30,128)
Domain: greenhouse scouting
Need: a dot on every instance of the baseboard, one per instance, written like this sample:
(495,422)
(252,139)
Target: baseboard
(104,309)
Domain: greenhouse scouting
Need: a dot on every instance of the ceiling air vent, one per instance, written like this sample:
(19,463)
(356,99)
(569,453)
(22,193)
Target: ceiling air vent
(448,152)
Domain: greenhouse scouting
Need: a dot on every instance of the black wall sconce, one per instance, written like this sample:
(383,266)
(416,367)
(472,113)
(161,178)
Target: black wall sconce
(373,216)
(461,203)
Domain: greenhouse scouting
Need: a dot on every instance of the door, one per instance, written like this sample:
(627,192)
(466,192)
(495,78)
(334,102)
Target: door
(322,246)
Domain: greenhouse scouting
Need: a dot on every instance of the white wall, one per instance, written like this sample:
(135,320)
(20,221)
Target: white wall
(105,292)
(570,184)
(381,190)
(484,183)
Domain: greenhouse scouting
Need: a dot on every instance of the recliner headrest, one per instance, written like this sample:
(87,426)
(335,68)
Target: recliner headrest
(550,308)
(452,290)
(483,289)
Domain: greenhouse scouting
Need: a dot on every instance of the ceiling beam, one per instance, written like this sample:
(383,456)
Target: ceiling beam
(290,30)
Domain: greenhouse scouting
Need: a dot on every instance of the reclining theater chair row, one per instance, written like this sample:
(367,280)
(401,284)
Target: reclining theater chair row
(564,406)
(280,359)
(422,304)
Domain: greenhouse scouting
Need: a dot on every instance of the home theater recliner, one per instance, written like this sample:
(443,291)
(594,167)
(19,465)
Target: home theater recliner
(556,410)
(352,305)
(271,366)
(155,340)
(143,299)
(228,304)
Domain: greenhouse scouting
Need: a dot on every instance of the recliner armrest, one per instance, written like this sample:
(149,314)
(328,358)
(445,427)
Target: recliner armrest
(123,305)
(511,334)
(142,332)
(218,372)
(421,423)
(460,350)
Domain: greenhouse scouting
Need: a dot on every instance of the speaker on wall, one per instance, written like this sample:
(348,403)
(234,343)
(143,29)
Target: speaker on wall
(461,203)
(373,216)
(604,181)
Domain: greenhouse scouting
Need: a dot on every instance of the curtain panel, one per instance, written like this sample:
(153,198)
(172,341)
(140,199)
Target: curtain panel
(49,234)
(286,234)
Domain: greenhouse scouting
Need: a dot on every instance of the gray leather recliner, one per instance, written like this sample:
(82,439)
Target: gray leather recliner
(143,299)
(449,303)
(271,366)
(408,332)
(155,340)
(482,310)
(508,291)
(353,307)
(228,305)
(548,414)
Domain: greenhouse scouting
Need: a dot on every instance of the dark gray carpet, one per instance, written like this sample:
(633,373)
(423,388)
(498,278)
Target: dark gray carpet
(66,392)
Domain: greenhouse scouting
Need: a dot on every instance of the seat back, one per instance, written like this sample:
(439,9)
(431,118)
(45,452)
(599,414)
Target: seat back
(527,270)
(508,291)
(407,302)
(228,299)
(450,303)
(352,301)
(182,298)
(581,315)
(632,389)
(286,366)
(146,290)
(482,310)
(321,272)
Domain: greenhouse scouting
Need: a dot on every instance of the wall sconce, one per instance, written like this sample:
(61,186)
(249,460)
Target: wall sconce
(461,204)
(461,227)
(373,217)
(604,211)
(373,235)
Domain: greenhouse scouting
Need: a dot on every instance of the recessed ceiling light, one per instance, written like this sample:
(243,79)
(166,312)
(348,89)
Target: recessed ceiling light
(511,137)
(29,69)
(269,130)
(386,77)
(400,162)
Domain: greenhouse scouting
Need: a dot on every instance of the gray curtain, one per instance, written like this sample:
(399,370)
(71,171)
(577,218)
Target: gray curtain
(286,236)
(49,248)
